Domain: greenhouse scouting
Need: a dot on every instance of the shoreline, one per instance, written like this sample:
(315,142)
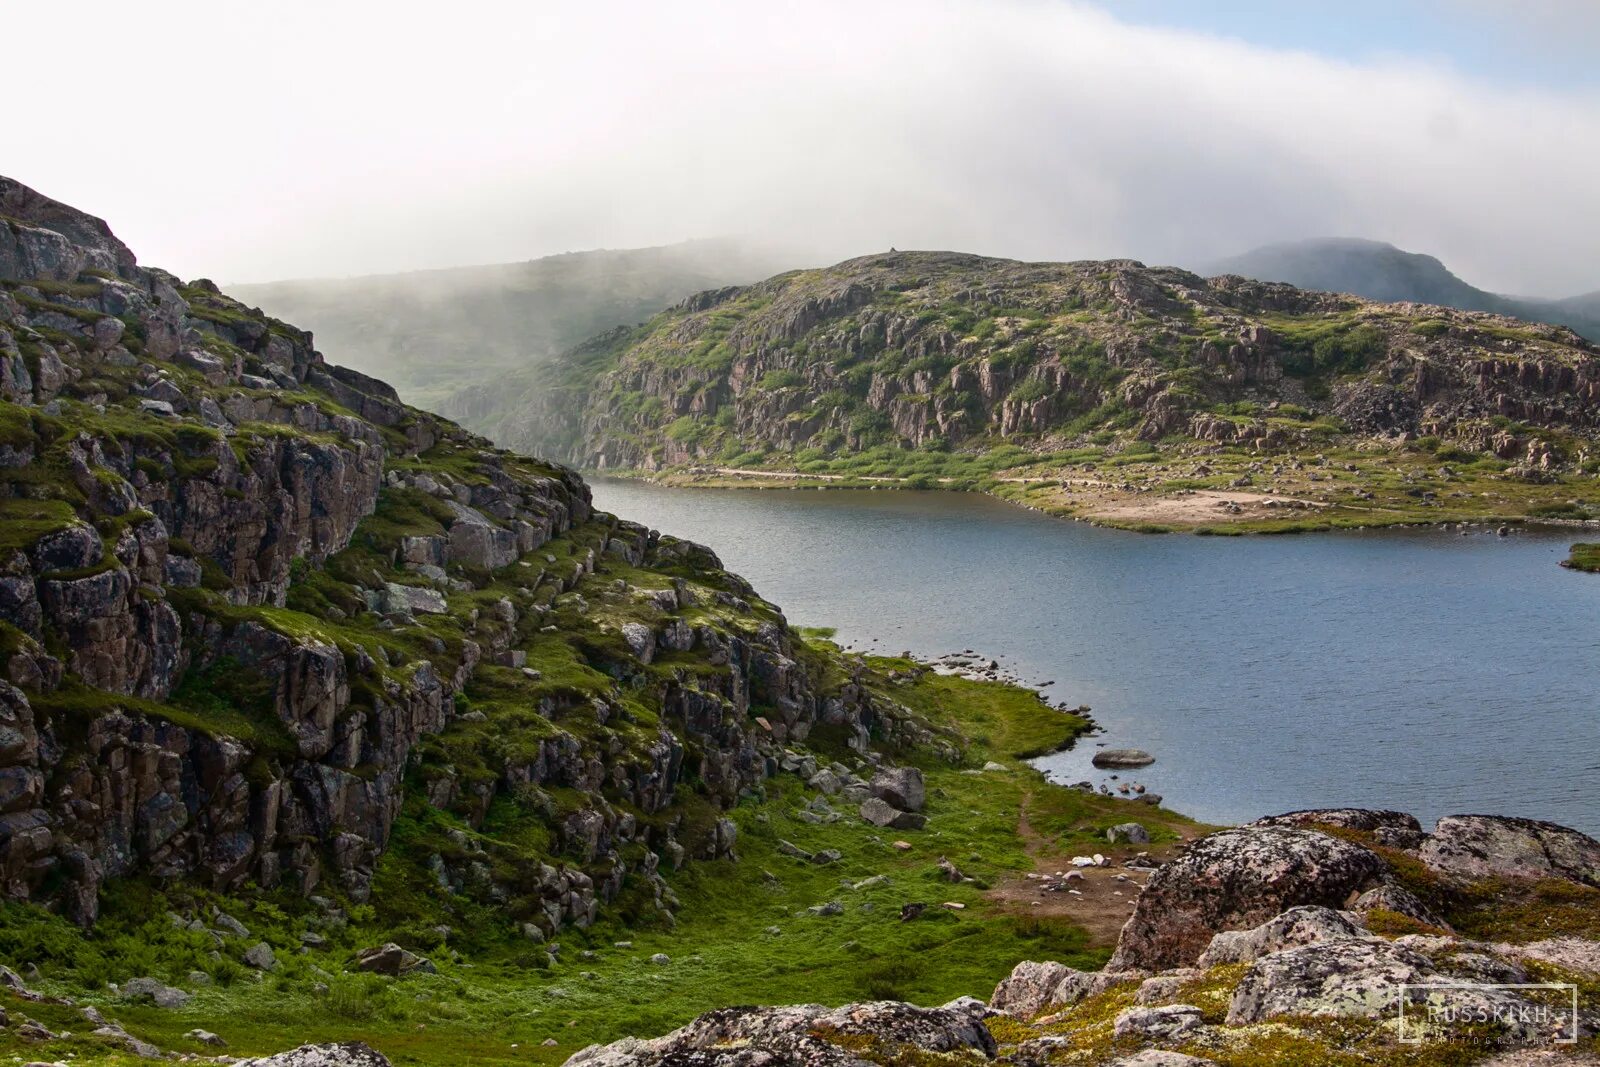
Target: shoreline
(1128,520)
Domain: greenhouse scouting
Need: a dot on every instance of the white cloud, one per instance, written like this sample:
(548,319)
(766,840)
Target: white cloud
(295,139)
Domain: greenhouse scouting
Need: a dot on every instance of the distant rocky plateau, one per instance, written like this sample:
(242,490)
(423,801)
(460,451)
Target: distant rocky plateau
(1138,396)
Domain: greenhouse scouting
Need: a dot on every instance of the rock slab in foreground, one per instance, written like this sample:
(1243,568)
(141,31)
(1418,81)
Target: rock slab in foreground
(1234,880)
(343,1054)
(804,1035)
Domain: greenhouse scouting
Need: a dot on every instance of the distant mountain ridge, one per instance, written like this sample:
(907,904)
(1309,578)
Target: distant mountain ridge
(432,332)
(1378,270)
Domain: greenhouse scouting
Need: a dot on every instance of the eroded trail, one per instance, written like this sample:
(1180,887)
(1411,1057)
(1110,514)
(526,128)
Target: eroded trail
(1100,900)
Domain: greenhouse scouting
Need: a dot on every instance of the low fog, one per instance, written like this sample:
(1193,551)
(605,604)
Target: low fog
(299,140)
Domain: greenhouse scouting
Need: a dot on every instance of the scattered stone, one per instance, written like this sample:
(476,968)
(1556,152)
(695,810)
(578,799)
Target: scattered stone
(1393,828)
(116,1035)
(789,848)
(832,907)
(1028,989)
(1130,833)
(260,956)
(825,782)
(661,959)
(152,991)
(206,1037)
(392,960)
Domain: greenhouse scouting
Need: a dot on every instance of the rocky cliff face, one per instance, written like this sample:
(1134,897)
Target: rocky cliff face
(941,350)
(251,606)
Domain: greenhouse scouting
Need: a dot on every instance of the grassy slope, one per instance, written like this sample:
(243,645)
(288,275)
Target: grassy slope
(498,1007)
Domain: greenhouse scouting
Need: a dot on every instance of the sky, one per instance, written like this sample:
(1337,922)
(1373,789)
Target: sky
(250,142)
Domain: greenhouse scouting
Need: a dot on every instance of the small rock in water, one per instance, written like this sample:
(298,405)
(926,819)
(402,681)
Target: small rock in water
(1122,758)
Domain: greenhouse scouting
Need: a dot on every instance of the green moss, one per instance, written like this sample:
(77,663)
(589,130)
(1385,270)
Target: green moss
(24,522)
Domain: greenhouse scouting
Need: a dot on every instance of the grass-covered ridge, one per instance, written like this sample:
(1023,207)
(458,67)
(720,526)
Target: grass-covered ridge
(743,932)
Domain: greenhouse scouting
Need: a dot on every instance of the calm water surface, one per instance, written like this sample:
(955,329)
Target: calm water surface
(1419,670)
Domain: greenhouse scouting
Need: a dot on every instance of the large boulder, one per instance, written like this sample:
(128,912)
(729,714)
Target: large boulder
(880,812)
(803,1035)
(1029,988)
(901,787)
(158,993)
(1032,988)
(1361,977)
(1494,846)
(1234,880)
(1395,828)
(392,960)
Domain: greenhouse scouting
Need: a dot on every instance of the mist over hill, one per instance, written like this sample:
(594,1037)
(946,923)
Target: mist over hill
(431,332)
(1378,270)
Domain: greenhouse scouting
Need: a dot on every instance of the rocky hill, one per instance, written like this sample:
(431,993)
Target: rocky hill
(1380,271)
(252,607)
(961,368)
(431,333)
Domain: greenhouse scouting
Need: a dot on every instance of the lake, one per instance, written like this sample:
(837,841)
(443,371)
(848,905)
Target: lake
(1413,669)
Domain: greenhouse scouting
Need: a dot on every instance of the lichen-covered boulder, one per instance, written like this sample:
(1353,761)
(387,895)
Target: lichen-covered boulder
(1165,1023)
(1297,926)
(1394,828)
(1028,989)
(1234,880)
(1362,977)
(1156,1057)
(1400,901)
(804,1035)
(343,1054)
(1471,847)
(1032,988)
